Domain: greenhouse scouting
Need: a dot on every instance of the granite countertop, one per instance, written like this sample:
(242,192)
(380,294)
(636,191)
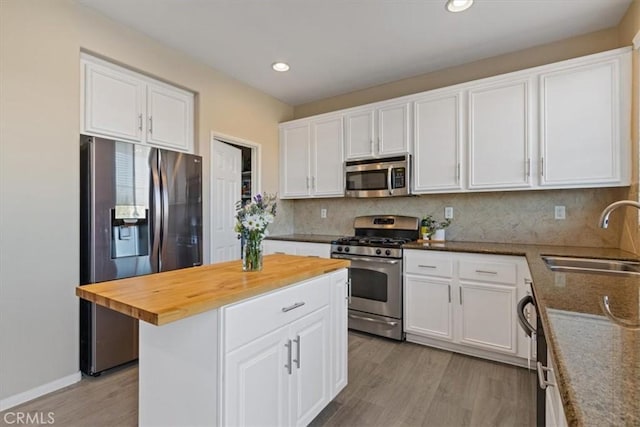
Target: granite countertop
(308,238)
(597,361)
(173,295)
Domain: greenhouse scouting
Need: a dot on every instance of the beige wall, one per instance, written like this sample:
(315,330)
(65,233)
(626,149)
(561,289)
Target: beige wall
(40,43)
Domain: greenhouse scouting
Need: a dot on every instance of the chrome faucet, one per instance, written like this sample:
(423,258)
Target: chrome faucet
(604,217)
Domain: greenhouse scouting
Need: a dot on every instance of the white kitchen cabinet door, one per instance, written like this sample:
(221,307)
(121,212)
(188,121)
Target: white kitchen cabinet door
(499,135)
(112,103)
(327,177)
(321,250)
(437,143)
(256,390)
(428,310)
(295,176)
(581,129)
(393,129)
(359,134)
(279,247)
(169,118)
(488,316)
(339,340)
(310,366)
(554,410)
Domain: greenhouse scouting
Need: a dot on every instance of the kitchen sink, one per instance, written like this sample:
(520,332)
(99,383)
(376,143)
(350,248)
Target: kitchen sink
(592,265)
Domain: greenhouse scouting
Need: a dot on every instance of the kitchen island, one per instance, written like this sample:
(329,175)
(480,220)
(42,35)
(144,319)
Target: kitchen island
(219,346)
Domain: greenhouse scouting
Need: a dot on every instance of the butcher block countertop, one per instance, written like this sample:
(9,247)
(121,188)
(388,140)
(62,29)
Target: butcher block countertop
(173,295)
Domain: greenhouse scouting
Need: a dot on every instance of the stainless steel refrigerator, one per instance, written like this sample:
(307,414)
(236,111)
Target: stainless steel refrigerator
(141,213)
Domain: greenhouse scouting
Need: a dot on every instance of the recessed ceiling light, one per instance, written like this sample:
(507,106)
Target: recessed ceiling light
(280,66)
(458,5)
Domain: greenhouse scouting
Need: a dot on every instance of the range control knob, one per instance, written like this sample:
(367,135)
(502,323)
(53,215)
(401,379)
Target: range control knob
(387,252)
(339,249)
(346,249)
(378,251)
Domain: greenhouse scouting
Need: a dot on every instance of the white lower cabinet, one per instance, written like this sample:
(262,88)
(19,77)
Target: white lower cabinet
(466,303)
(488,316)
(554,411)
(322,250)
(287,375)
(428,307)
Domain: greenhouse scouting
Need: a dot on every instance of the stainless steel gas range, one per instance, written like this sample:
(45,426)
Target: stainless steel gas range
(375,252)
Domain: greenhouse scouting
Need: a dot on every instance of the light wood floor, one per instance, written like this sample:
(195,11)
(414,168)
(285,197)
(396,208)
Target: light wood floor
(390,384)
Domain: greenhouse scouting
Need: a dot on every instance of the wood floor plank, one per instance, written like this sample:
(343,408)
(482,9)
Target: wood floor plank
(391,384)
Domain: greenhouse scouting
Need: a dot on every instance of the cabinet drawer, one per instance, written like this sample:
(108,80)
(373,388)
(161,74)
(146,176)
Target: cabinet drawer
(495,272)
(432,264)
(248,320)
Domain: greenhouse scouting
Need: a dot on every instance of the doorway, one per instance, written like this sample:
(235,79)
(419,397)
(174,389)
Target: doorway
(234,177)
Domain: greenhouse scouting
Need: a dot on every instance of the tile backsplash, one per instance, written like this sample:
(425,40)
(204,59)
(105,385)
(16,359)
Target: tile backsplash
(503,217)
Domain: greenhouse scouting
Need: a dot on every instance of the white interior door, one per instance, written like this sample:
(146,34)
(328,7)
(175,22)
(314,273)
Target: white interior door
(226,173)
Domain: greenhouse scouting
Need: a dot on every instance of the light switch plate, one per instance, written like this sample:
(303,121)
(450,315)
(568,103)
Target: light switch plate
(560,212)
(323,213)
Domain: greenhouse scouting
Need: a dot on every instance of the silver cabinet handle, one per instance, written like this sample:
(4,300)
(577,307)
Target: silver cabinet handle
(140,121)
(486,272)
(527,172)
(460,293)
(427,266)
(449,286)
(297,359)
(293,307)
(150,124)
(349,290)
(288,366)
(458,172)
(542,381)
(541,166)
(389,182)
(618,321)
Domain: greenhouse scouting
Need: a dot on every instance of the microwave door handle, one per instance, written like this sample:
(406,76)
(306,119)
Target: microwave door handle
(389,181)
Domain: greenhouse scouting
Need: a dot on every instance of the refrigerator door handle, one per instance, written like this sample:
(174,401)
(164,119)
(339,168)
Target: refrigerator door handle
(157,214)
(164,185)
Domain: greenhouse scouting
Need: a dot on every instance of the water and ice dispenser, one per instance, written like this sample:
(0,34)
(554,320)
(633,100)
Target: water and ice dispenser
(129,231)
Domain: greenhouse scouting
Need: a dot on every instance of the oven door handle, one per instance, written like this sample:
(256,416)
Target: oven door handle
(359,258)
(372,320)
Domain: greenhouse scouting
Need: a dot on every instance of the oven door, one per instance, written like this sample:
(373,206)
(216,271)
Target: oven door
(376,285)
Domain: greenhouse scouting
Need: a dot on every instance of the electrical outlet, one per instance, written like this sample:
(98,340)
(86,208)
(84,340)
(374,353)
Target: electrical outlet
(448,212)
(323,213)
(560,212)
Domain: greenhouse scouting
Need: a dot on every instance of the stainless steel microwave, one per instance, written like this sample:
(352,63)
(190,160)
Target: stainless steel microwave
(382,177)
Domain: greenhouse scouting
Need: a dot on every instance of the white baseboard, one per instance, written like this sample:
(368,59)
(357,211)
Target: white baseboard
(41,390)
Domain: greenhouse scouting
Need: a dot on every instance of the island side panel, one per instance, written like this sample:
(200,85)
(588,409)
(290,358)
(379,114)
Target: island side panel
(178,376)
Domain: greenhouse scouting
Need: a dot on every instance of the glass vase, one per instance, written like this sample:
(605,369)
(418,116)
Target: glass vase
(252,255)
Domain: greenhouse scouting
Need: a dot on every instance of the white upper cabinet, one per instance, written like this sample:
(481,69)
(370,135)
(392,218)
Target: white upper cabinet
(295,174)
(121,104)
(327,177)
(170,117)
(359,133)
(311,158)
(584,125)
(437,120)
(393,129)
(499,132)
(377,131)
(113,103)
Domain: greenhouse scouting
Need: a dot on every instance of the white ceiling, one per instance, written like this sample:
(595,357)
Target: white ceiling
(338,46)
